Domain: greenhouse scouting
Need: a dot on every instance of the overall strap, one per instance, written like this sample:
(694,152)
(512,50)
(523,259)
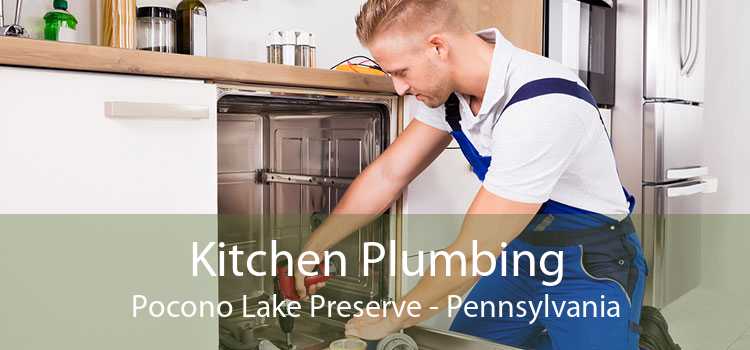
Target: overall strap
(528,91)
(548,86)
(453,112)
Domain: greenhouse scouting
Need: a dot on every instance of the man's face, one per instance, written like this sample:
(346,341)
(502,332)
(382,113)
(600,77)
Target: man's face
(414,65)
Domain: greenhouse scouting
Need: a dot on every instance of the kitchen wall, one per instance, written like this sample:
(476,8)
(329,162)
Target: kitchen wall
(237,29)
(33,11)
(241,31)
(727,147)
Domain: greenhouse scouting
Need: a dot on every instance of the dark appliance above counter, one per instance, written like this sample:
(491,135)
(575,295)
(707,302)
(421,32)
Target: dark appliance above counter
(603,3)
(582,35)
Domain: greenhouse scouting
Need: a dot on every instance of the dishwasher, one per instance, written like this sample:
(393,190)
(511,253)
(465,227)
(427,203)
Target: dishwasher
(285,157)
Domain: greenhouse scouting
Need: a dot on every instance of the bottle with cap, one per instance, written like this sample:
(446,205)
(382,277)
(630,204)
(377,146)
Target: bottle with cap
(192,28)
(59,24)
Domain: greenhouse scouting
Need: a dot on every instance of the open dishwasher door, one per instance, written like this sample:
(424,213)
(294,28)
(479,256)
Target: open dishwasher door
(286,157)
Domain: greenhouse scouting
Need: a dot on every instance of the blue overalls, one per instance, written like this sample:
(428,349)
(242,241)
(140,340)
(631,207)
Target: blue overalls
(602,257)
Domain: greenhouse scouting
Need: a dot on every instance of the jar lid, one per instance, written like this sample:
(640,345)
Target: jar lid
(155,11)
(312,41)
(274,38)
(303,38)
(288,37)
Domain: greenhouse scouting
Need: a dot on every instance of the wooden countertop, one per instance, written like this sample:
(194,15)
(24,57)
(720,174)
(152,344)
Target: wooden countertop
(90,58)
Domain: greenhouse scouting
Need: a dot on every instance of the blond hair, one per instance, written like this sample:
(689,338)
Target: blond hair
(377,15)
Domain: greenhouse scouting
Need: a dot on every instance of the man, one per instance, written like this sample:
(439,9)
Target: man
(532,133)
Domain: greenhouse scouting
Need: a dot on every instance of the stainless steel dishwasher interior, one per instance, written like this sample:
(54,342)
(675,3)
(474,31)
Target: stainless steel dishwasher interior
(284,162)
(283,165)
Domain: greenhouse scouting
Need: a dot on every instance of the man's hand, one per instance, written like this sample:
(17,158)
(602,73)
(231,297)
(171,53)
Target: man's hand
(299,282)
(371,328)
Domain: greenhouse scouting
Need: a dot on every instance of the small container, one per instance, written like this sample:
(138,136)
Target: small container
(117,23)
(156,29)
(59,24)
(291,47)
(313,52)
(288,46)
(348,344)
(274,48)
(302,50)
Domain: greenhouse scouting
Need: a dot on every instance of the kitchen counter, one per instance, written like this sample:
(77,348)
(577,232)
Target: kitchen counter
(91,58)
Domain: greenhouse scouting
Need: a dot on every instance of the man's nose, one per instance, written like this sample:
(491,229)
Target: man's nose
(400,86)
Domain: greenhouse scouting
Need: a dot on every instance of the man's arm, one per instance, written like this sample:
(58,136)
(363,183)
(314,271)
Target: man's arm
(490,221)
(373,191)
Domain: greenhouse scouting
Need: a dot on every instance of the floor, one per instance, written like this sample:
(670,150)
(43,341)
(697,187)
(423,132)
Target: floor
(705,319)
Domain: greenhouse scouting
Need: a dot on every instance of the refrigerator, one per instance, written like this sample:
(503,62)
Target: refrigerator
(674,177)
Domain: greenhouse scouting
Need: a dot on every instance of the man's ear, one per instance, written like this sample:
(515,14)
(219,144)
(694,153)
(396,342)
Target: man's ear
(439,45)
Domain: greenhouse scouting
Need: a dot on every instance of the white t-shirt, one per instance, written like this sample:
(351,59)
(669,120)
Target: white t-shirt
(550,147)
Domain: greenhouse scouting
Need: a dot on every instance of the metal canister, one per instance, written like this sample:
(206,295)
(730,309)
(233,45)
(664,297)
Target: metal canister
(288,46)
(274,48)
(302,50)
(313,52)
(291,47)
(398,341)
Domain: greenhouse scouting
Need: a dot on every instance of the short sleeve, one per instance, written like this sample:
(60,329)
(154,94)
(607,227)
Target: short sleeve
(434,117)
(533,144)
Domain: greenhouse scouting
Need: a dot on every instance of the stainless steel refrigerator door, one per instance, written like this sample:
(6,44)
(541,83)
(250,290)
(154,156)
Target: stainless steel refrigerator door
(675,49)
(672,239)
(672,141)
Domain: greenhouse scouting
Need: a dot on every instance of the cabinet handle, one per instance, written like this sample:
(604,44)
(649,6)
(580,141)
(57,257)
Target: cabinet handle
(139,110)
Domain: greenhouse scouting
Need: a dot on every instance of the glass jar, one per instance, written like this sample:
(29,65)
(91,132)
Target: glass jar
(117,23)
(156,29)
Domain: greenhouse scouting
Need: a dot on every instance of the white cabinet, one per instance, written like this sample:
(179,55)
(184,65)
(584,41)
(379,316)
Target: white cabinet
(98,143)
(447,186)
(435,204)
(436,201)
(443,319)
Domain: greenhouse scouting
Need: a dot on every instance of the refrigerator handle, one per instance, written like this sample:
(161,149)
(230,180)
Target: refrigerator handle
(683,191)
(693,27)
(707,185)
(686,173)
(684,41)
(696,34)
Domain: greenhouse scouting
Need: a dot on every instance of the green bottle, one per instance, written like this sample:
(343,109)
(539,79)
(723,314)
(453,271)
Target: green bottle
(192,28)
(59,24)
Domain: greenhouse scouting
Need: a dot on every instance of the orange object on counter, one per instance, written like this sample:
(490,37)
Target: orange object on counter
(353,68)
